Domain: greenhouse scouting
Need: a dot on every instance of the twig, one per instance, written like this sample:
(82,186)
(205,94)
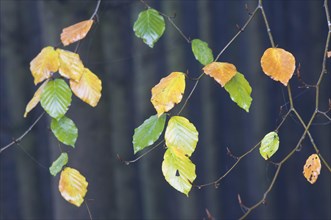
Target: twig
(96,10)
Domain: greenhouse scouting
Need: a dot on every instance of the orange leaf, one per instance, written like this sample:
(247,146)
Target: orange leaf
(168,92)
(312,168)
(278,64)
(35,99)
(222,72)
(328,54)
(88,88)
(73,186)
(44,64)
(71,66)
(75,32)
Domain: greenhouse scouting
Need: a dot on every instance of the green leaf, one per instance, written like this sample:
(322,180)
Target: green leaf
(269,145)
(178,170)
(202,52)
(149,26)
(147,133)
(240,91)
(65,130)
(56,98)
(57,165)
(182,135)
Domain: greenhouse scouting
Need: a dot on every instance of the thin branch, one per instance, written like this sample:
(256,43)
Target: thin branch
(19,139)
(96,10)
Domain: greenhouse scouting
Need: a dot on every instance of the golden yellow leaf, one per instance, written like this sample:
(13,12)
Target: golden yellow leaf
(88,88)
(278,64)
(168,92)
(75,32)
(71,66)
(44,64)
(222,72)
(73,186)
(312,168)
(35,99)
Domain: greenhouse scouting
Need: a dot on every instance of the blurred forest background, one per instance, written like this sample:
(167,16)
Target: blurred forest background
(129,69)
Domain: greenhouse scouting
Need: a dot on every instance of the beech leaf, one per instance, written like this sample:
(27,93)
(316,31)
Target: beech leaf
(202,52)
(279,64)
(71,67)
(178,170)
(44,64)
(35,99)
(240,91)
(73,186)
(149,26)
(147,133)
(269,145)
(57,165)
(182,135)
(168,92)
(56,98)
(312,168)
(75,32)
(222,72)
(88,88)
(65,130)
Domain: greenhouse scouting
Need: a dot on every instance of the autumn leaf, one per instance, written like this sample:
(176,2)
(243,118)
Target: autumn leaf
(71,67)
(75,32)
(279,64)
(181,134)
(312,168)
(328,54)
(73,186)
(88,88)
(222,72)
(168,92)
(269,145)
(35,99)
(147,133)
(44,64)
(178,170)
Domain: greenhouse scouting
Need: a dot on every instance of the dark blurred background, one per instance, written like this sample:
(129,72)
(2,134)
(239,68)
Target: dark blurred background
(129,69)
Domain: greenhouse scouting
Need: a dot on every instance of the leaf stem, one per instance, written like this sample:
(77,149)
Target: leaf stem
(96,10)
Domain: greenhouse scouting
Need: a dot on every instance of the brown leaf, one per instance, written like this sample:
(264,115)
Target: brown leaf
(312,168)
(75,32)
(328,54)
(279,64)
(222,72)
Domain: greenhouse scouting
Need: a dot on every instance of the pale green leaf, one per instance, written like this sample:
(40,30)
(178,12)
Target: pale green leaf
(57,165)
(240,91)
(202,52)
(178,170)
(182,135)
(65,130)
(149,26)
(147,133)
(56,98)
(269,145)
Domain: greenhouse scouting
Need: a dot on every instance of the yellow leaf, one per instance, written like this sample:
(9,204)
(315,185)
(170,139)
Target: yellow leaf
(222,72)
(73,186)
(168,92)
(312,168)
(35,99)
(71,66)
(44,64)
(278,64)
(88,88)
(75,32)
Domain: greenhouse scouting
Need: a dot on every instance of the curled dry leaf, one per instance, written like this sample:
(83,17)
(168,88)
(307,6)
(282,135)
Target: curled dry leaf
(312,168)
(44,64)
(35,99)
(279,64)
(75,32)
(168,92)
(73,186)
(222,72)
(88,88)
(71,67)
